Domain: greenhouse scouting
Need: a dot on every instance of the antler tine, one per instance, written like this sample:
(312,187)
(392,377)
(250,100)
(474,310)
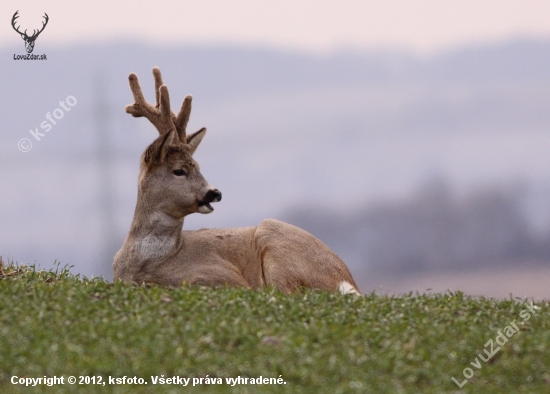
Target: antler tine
(165,116)
(183,118)
(158,83)
(140,106)
(160,116)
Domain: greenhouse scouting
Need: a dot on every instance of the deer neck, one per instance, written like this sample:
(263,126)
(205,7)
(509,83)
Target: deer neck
(154,238)
(154,233)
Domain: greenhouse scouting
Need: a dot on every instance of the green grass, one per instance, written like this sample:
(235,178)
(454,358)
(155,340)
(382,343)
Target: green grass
(59,324)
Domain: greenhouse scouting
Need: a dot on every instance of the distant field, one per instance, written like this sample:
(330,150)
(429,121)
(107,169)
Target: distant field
(58,324)
(499,282)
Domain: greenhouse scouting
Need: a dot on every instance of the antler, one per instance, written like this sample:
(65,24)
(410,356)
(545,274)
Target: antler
(159,115)
(35,33)
(15,16)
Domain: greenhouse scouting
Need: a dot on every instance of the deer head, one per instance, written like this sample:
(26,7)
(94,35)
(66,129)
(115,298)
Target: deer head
(29,41)
(170,180)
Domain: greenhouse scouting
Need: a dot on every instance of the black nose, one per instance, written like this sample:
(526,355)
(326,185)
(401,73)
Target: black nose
(213,196)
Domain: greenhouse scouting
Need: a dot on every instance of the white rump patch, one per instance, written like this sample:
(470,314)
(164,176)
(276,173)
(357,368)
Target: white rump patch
(346,288)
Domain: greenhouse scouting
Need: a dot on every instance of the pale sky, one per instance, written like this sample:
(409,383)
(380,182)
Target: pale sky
(423,26)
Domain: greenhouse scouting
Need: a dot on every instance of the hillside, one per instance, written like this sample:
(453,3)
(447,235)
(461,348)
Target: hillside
(56,324)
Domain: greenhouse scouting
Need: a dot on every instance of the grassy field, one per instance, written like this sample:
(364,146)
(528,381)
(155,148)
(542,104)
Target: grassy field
(56,324)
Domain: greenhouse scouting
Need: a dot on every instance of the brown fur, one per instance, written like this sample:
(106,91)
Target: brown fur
(158,251)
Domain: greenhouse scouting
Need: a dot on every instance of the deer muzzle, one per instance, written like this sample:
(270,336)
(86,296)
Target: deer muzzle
(213,195)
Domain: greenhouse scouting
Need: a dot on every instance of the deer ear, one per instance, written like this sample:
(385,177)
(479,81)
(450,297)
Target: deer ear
(167,141)
(195,139)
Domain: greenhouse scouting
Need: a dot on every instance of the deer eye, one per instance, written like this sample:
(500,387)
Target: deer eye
(179,172)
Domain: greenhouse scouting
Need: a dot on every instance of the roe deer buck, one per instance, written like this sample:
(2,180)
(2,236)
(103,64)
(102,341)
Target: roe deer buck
(171,187)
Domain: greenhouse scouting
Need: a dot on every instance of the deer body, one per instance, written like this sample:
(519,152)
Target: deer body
(271,254)
(171,187)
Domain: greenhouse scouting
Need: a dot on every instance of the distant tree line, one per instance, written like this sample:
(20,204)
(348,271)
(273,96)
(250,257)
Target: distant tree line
(434,230)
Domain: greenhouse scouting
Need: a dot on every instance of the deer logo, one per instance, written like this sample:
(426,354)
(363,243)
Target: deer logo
(171,186)
(29,40)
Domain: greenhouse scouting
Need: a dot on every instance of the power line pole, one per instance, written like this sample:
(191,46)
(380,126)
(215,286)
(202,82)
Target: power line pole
(109,236)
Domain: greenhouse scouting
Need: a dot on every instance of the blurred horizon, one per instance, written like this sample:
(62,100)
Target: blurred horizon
(309,26)
(421,168)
